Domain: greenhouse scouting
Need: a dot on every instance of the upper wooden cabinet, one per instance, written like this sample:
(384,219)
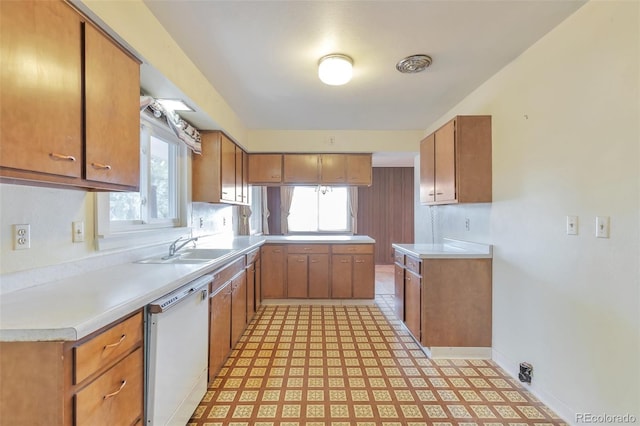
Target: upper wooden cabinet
(359,169)
(301,169)
(218,173)
(265,169)
(49,51)
(333,169)
(455,162)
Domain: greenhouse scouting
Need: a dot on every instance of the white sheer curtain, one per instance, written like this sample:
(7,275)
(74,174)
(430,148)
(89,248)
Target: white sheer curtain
(353,207)
(286,196)
(244,212)
(265,212)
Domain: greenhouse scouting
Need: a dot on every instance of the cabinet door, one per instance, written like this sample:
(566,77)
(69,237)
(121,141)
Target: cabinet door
(412,303)
(398,299)
(445,164)
(112,112)
(427,170)
(238,307)
(41,112)
(341,276)
(258,283)
(363,277)
(219,329)
(245,178)
(297,279)
(228,169)
(359,170)
(272,271)
(251,292)
(265,168)
(319,276)
(333,169)
(301,168)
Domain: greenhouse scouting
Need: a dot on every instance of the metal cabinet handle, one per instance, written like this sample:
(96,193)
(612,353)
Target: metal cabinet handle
(112,394)
(439,193)
(359,261)
(113,345)
(56,156)
(300,260)
(344,261)
(101,166)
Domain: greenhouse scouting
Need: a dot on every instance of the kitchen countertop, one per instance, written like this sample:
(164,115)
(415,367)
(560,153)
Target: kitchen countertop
(319,239)
(449,249)
(72,308)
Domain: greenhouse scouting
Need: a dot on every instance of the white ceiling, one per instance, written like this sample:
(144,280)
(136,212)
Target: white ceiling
(262,56)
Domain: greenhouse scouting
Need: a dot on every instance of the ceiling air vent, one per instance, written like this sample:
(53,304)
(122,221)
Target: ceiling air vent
(413,64)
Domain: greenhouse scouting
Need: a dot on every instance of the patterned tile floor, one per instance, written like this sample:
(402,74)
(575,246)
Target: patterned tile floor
(355,365)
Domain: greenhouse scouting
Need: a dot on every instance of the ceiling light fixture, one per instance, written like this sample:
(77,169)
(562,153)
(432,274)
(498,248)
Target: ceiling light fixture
(335,69)
(413,64)
(174,104)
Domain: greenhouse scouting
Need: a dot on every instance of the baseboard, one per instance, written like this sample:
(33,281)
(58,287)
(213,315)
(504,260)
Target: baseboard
(458,353)
(511,367)
(318,302)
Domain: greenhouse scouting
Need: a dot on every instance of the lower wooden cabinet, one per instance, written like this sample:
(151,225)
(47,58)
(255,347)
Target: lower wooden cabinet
(273,258)
(219,328)
(445,302)
(98,380)
(321,271)
(238,306)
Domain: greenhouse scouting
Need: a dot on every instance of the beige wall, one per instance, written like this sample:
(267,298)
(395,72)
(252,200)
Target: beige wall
(565,142)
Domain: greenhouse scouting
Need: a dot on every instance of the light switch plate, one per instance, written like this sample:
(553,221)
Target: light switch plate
(78,232)
(572,225)
(602,226)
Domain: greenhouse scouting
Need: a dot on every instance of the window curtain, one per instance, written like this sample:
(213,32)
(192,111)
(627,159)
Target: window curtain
(352,198)
(183,130)
(286,196)
(265,212)
(244,212)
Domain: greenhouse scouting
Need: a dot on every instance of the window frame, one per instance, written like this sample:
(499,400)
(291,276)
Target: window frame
(318,189)
(137,233)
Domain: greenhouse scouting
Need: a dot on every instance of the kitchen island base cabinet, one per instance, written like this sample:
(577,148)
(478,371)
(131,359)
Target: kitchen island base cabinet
(457,303)
(352,271)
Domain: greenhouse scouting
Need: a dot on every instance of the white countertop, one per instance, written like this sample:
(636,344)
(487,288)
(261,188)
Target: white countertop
(72,308)
(319,239)
(449,249)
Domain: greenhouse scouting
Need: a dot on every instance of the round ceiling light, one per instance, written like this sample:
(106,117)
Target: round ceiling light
(335,69)
(413,64)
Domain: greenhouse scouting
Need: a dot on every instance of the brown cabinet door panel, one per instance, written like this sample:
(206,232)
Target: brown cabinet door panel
(341,276)
(251,292)
(219,329)
(398,300)
(301,168)
(427,170)
(41,112)
(228,169)
(238,307)
(363,277)
(319,276)
(359,169)
(412,307)
(265,168)
(445,166)
(112,105)
(297,278)
(333,169)
(273,259)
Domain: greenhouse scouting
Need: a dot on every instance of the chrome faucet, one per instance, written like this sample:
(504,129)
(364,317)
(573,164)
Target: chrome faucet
(174,247)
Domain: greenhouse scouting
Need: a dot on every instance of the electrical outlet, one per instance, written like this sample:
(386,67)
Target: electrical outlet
(467,224)
(21,236)
(78,232)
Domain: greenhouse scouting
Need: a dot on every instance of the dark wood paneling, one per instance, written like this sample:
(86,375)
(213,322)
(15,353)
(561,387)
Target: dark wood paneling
(385,210)
(273,203)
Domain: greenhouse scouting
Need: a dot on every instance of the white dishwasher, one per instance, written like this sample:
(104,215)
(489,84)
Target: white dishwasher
(177,338)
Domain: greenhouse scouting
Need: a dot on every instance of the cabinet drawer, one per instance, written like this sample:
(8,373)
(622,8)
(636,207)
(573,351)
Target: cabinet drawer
(398,257)
(307,248)
(252,256)
(352,248)
(413,264)
(223,275)
(115,398)
(106,347)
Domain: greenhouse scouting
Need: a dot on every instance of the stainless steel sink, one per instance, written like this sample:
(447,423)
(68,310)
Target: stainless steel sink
(191,256)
